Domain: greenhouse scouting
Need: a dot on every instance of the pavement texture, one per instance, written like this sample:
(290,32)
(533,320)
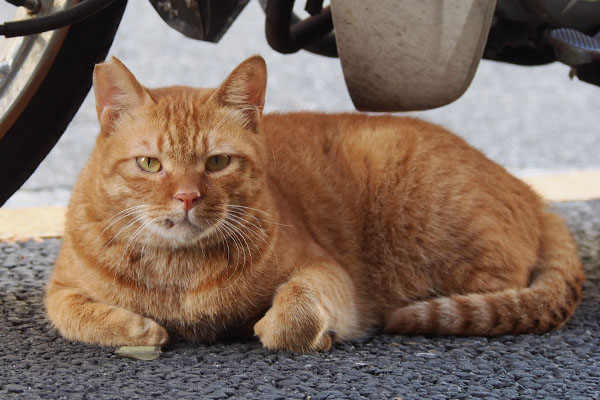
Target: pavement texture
(36,362)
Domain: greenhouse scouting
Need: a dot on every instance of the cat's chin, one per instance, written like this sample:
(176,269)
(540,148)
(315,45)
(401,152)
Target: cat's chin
(183,232)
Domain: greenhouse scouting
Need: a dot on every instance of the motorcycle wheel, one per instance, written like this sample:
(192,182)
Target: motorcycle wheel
(60,88)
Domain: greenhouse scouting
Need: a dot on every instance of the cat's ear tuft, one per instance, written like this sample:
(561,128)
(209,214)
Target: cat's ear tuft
(116,91)
(244,89)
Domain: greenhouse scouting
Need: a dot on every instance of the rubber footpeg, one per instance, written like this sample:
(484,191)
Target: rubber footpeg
(574,47)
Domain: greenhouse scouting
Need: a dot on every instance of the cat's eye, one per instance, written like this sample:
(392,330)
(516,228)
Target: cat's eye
(148,164)
(217,163)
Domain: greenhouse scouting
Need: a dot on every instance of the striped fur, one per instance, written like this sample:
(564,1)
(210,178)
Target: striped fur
(547,302)
(321,228)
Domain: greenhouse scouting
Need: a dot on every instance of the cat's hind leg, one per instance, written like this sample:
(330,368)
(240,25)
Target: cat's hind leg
(545,299)
(79,318)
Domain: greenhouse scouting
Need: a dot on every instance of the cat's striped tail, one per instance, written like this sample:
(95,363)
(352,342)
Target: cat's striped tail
(547,303)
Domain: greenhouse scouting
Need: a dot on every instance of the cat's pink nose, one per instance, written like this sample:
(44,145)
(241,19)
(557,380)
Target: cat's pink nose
(187,199)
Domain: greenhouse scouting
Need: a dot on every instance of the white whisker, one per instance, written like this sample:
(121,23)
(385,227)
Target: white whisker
(132,239)
(259,230)
(226,244)
(146,238)
(238,245)
(249,208)
(123,229)
(123,214)
(244,237)
(241,211)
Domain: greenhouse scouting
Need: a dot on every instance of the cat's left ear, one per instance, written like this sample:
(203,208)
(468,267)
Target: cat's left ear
(244,89)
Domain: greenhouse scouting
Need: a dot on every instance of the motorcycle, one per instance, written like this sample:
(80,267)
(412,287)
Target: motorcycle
(396,55)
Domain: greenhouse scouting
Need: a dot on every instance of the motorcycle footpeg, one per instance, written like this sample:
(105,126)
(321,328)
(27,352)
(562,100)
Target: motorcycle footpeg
(573,47)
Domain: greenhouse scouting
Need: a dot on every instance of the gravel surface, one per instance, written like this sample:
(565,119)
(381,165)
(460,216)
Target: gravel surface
(36,363)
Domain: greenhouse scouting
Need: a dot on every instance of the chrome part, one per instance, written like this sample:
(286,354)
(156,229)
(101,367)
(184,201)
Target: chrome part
(4,71)
(401,55)
(28,60)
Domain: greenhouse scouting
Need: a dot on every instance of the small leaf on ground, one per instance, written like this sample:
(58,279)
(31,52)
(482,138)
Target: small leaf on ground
(146,353)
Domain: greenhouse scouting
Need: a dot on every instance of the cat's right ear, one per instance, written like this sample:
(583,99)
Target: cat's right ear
(117,91)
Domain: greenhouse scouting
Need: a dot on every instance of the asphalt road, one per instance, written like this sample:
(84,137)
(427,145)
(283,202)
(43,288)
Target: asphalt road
(529,119)
(36,363)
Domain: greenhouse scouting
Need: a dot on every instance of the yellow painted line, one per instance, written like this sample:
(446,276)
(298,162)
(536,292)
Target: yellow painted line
(18,224)
(567,186)
(38,223)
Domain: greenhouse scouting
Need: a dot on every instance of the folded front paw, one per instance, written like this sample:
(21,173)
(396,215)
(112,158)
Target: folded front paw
(145,332)
(297,333)
(296,327)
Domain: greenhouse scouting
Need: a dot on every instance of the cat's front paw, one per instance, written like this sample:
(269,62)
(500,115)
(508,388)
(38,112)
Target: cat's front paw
(294,323)
(145,332)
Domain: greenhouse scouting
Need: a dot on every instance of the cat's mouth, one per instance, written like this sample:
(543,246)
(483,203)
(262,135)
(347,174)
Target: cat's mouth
(185,229)
(186,225)
(183,223)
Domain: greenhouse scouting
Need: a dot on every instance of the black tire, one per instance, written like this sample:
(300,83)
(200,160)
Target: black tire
(58,98)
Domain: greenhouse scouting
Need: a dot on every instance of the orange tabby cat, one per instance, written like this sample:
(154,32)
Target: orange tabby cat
(199,216)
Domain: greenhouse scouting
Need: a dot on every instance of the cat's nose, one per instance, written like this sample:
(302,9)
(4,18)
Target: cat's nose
(187,199)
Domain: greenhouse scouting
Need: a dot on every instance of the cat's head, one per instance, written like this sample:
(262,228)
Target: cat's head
(180,165)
